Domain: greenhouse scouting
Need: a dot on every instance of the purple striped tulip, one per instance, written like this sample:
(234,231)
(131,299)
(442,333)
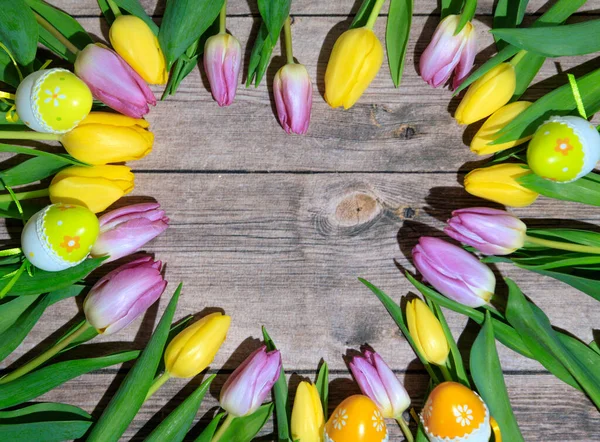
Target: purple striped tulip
(449,53)
(222,62)
(113,81)
(123,295)
(491,231)
(293,97)
(248,386)
(124,231)
(376,380)
(454,272)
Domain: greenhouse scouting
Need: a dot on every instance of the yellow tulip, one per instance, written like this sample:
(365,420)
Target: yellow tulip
(355,60)
(308,421)
(104,137)
(192,350)
(493,125)
(95,187)
(488,94)
(427,332)
(499,183)
(133,40)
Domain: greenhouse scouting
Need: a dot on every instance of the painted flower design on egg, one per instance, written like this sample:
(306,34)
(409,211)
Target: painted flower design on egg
(59,236)
(564,149)
(53,100)
(454,413)
(356,419)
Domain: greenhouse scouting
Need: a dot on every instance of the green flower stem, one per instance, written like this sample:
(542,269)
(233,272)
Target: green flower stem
(287,32)
(562,245)
(28,135)
(404,427)
(53,351)
(374,14)
(446,373)
(224,426)
(13,280)
(114,8)
(52,30)
(25,195)
(223,18)
(517,58)
(158,382)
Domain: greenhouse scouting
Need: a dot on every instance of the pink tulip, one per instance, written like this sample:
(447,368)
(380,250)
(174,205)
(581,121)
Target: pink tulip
(293,97)
(454,272)
(248,386)
(124,294)
(377,380)
(124,231)
(448,52)
(113,81)
(491,231)
(222,62)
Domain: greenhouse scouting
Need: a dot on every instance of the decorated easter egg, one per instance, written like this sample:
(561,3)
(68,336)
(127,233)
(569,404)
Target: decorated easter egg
(59,236)
(356,419)
(454,413)
(564,149)
(53,100)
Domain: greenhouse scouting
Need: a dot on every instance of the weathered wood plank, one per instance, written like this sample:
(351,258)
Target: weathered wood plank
(284,250)
(534,398)
(311,7)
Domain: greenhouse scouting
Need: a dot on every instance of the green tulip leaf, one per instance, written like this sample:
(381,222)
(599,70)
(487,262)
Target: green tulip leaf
(274,13)
(280,394)
(543,341)
(244,429)
(584,237)
(362,16)
(322,385)
(450,7)
(467,14)
(12,308)
(396,313)
(176,425)
(44,422)
(131,395)
(555,41)
(421,435)
(256,66)
(19,31)
(595,347)
(41,280)
(525,71)
(32,170)
(397,35)
(585,190)
(588,285)
(508,14)
(8,75)
(487,375)
(210,430)
(184,21)
(8,209)
(38,382)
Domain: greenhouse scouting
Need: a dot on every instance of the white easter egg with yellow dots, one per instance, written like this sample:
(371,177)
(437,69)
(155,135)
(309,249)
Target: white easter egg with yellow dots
(59,236)
(53,101)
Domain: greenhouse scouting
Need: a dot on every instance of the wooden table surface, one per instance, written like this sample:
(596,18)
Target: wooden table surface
(275,229)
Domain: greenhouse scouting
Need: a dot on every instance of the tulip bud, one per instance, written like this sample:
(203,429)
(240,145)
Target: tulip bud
(133,40)
(123,295)
(491,231)
(488,94)
(95,187)
(250,383)
(454,272)
(490,130)
(113,81)
(293,97)
(222,62)
(124,231)
(378,381)
(448,52)
(498,183)
(103,138)
(308,421)
(354,62)
(427,332)
(193,349)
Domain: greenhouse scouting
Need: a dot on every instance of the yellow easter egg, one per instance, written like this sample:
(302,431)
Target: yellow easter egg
(564,149)
(356,419)
(455,413)
(53,100)
(59,236)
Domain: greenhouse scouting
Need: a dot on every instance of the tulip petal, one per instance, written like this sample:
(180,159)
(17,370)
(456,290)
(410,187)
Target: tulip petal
(370,384)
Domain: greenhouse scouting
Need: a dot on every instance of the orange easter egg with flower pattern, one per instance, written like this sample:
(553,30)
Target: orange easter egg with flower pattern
(356,419)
